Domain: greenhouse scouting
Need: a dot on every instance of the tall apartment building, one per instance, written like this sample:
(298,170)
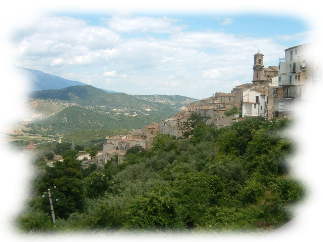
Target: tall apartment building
(298,72)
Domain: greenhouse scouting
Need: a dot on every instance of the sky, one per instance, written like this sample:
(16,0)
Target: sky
(171,53)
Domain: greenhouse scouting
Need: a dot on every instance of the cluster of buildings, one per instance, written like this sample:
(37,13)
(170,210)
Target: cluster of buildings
(273,93)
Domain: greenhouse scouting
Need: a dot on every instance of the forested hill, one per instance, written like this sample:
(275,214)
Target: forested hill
(80,108)
(74,118)
(228,179)
(87,95)
(44,81)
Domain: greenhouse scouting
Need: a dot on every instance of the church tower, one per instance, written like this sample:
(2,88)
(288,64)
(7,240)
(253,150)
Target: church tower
(258,69)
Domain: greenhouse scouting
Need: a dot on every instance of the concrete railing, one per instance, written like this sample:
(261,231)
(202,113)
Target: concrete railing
(307,227)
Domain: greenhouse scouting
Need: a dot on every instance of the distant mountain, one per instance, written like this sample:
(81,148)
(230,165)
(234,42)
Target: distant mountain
(13,77)
(89,96)
(175,100)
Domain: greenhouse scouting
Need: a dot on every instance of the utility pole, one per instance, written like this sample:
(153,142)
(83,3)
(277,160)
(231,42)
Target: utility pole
(51,205)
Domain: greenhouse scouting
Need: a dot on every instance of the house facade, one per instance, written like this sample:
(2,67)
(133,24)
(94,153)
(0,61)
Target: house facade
(298,72)
(254,103)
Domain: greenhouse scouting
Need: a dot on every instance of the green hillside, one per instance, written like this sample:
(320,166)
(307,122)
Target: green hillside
(82,107)
(90,96)
(226,180)
(175,101)
(75,118)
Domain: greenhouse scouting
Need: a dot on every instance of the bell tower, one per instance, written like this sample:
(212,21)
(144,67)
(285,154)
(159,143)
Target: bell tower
(258,68)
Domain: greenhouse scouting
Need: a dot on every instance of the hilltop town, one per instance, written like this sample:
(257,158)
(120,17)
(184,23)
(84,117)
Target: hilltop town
(274,92)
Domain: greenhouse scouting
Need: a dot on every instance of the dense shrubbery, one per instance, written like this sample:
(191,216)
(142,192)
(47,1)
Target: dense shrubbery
(233,178)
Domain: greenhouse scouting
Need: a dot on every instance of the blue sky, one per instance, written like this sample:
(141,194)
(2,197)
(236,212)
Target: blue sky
(186,54)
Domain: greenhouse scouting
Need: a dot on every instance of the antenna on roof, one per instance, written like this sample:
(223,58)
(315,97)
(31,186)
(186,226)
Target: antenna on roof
(258,50)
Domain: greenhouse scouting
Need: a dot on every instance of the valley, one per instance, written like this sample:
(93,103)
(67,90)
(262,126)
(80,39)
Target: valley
(67,114)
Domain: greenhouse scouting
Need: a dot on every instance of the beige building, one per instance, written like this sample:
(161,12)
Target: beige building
(117,146)
(299,71)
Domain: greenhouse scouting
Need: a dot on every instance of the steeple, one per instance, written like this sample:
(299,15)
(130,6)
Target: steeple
(258,68)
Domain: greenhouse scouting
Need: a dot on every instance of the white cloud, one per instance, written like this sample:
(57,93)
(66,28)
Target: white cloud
(227,21)
(181,59)
(214,73)
(144,24)
(114,74)
(304,36)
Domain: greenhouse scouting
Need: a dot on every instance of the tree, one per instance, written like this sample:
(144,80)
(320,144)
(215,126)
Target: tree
(95,184)
(164,142)
(65,179)
(195,193)
(233,110)
(93,152)
(157,210)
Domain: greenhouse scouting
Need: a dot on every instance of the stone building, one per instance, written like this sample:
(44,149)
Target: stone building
(262,75)
(117,146)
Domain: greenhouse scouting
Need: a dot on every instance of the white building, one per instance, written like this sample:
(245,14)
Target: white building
(253,103)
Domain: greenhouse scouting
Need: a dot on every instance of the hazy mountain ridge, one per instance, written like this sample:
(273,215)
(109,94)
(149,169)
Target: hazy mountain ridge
(43,81)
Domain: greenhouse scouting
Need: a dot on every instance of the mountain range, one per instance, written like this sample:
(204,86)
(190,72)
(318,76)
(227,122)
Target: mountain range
(14,77)
(76,109)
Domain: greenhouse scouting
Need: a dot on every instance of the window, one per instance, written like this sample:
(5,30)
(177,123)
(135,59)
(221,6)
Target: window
(255,105)
(257,99)
(291,55)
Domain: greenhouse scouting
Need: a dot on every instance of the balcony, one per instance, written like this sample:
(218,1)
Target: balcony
(285,80)
(286,106)
(290,92)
